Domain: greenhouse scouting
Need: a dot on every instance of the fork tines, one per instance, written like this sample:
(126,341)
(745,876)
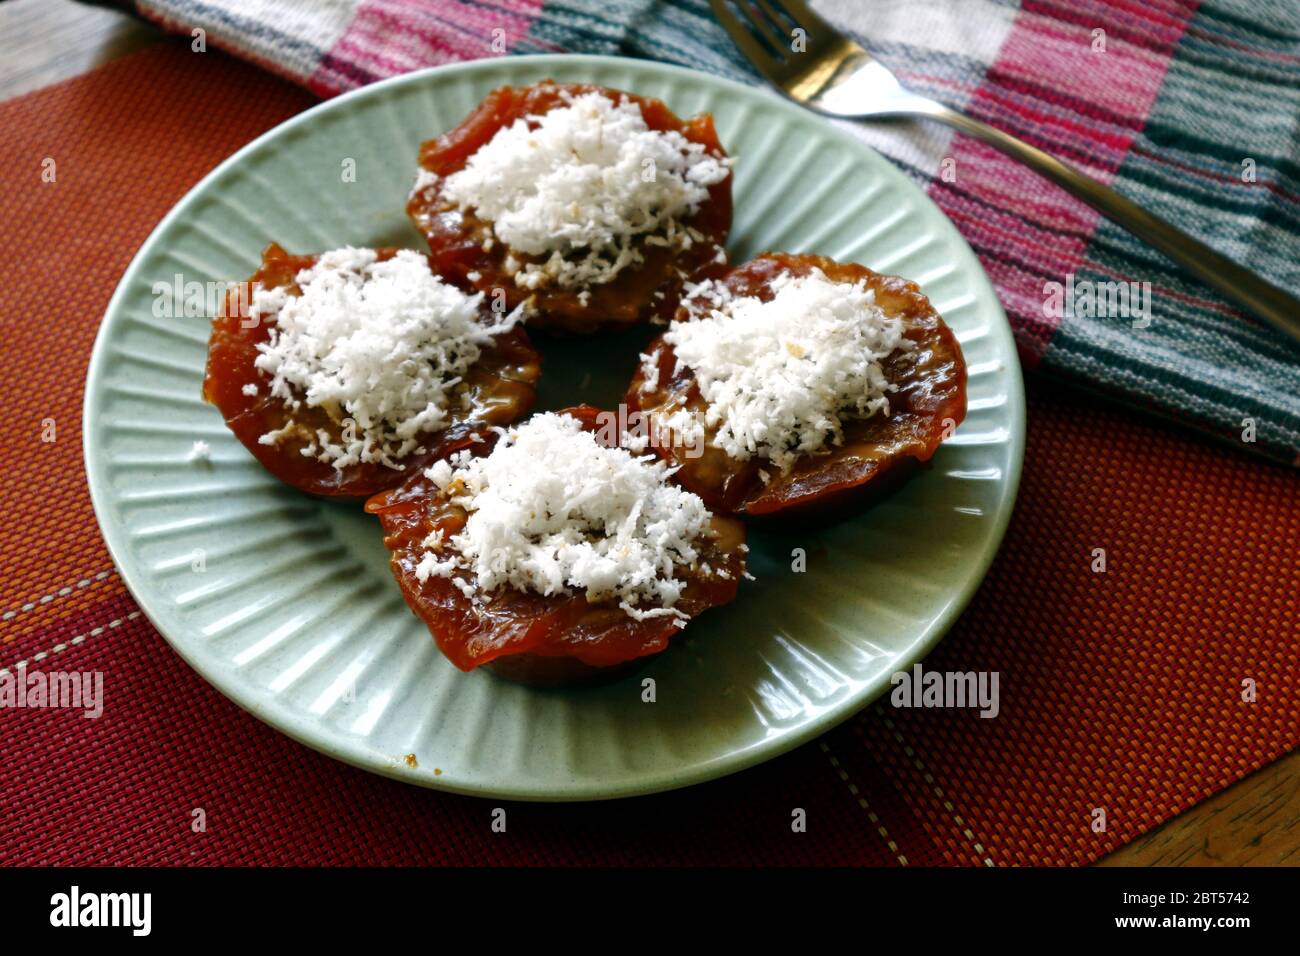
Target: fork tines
(768,31)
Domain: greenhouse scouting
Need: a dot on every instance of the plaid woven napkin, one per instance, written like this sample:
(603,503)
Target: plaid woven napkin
(1192,110)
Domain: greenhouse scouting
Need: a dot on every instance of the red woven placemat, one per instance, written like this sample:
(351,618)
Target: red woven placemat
(1119,691)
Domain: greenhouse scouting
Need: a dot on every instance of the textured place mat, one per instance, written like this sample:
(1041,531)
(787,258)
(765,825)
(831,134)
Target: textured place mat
(1120,691)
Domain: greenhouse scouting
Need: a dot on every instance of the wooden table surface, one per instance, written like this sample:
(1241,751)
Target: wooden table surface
(1255,822)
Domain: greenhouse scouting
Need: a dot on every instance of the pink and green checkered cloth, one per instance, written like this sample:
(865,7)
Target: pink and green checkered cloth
(1190,109)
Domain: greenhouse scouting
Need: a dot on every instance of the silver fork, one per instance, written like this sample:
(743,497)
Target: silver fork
(835,76)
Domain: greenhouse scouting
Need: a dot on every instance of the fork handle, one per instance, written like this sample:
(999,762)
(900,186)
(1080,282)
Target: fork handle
(1263,299)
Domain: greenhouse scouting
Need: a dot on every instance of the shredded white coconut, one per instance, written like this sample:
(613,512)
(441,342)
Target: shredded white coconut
(781,377)
(200,451)
(576,185)
(423,180)
(380,346)
(551,510)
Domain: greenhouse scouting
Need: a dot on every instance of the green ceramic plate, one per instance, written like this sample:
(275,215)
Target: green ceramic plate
(286,604)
